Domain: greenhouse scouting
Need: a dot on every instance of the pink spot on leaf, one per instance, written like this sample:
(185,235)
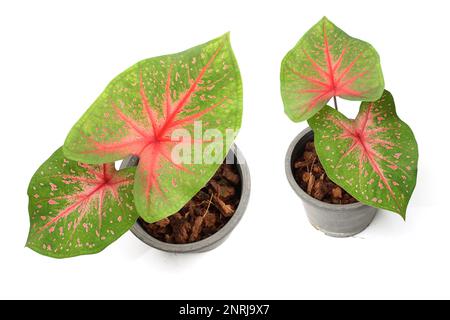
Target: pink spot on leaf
(102,180)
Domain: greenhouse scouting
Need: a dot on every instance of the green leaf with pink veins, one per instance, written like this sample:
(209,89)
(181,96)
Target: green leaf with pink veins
(143,107)
(78,209)
(328,63)
(374,157)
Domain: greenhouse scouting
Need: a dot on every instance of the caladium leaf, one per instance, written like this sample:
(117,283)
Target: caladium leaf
(374,157)
(327,63)
(143,107)
(77,208)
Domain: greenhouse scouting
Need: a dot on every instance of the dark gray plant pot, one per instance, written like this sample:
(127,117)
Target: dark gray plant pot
(220,236)
(334,220)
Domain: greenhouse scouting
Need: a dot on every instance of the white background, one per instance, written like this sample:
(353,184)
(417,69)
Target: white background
(56,58)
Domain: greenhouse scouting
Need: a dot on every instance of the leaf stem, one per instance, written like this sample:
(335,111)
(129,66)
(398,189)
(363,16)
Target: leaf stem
(335,103)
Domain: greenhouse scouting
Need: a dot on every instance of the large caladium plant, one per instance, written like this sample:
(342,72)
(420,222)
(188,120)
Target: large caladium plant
(373,157)
(142,109)
(76,208)
(328,63)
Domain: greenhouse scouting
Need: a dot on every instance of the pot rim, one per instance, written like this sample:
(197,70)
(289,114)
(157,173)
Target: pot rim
(303,195)
(203,244)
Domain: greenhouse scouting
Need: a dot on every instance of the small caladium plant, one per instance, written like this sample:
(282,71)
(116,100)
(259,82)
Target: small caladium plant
(328,63)
(374,157)
(143,111)
(76,208)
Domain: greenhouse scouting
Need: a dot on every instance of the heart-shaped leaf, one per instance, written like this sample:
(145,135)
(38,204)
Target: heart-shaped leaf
(327,63)
(141,110)
(77,208)
(374,157)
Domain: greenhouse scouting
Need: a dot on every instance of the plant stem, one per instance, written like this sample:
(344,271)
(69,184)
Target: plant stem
(335,103)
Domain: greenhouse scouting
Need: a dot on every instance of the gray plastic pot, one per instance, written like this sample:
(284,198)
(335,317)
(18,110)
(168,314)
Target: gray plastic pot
(334,220)
(220,236)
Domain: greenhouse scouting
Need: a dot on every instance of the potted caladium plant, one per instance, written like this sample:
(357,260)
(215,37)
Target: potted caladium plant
(344,169)
(174,118)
